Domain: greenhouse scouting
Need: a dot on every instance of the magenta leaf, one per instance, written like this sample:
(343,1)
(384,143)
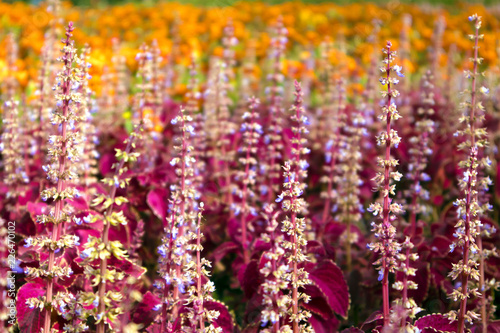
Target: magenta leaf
(329,279)
(323,326)
(157,203)
(375,317)
(145,311)
(127,266)
(251,279)
(224,249)
(224,321)
(318,303)
(437,322)
(29,320)
(494,326)
(105,163)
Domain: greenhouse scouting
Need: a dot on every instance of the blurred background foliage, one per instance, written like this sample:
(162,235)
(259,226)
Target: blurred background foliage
(221,3)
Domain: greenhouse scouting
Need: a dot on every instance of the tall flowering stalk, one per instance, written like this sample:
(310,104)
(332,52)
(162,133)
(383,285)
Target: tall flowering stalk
(469,210)
(174,251)
(144,105)
(248,80)
(273,137)
(42,103)
(252,130)
(196,314)
(99,250)
(11,147)
(274,300)
(10,84)
(350,207)
(419,153)
(325,118)
(88,163)
(332,148)
(224,153)
(369,94)
(11,143)
(437,42)
(157,93)
(193,97)
(384,231)
(295,173)
(120,79)
(143,97)
(63,153)
(170,69)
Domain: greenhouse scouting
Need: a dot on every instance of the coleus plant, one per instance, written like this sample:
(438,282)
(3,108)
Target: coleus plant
(283,254)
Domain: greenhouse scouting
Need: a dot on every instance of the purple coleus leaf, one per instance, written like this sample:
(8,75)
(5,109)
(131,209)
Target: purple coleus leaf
(423,280)
(127,266)
(145,311)
(494,326)
(318,304)
(440,246)
(251,279)
(224,249)
(105,163)
(436,322)
(29,320)
(321,325)
(157,203)
(328,278)
(224,321)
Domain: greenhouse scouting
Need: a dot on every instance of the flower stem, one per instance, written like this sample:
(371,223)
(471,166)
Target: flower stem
(61,182)
(468,200)
(386,212)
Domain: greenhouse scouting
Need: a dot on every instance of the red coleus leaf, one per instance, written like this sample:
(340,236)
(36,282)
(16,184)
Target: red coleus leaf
(328,277)
(318,304)
(374,318)
(79,204)
(144,312)
(316,248)
(437,322)
(30,195)
(29,320)
(422,278)
(224,321)
(440,246)
(321,325)
(30,227)
(157,203)
(127,266)
(105,163)
(494,326)
(224,249)
(251,279)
